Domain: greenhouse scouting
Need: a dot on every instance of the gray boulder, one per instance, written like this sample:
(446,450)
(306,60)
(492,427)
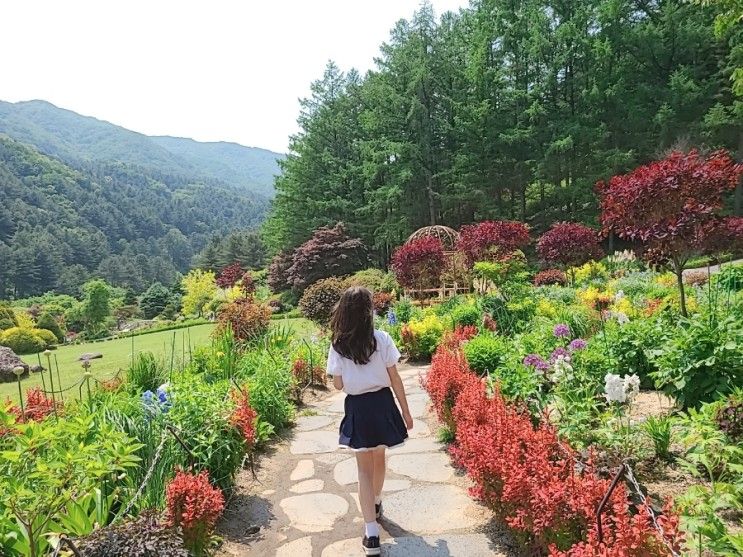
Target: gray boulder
(8,362)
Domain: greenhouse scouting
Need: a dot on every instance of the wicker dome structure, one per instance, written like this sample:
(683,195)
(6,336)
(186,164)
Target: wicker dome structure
(447,236)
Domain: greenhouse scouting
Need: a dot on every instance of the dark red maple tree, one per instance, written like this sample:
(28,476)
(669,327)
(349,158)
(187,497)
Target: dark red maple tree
(490,240)
(419,263)
(668,206)
(569,244)
(229,275)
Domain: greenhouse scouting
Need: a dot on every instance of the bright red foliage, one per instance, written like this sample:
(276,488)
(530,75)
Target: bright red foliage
(229,276)
(662,205)
(529,477)
(194,505)
(382,302)
(491,240)
(243,417)
(550,276)
(723,235)
(569,244)
(36,407)
(419,263)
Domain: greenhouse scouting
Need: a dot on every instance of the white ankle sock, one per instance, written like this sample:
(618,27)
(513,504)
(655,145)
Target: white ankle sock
(377,500)
(371,529)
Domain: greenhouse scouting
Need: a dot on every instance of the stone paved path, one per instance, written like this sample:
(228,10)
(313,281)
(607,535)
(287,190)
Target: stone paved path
(305,502)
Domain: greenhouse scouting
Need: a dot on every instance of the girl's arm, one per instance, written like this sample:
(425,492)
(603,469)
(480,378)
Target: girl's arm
(338,382)
(399,390)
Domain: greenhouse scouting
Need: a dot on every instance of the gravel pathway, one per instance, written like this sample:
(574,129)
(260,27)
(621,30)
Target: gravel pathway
(305,499)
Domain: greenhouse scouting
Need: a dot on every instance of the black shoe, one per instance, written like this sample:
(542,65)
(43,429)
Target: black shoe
(371,545)
(378,509)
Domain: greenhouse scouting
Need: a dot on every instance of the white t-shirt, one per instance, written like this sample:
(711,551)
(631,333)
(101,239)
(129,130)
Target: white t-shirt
(369,377)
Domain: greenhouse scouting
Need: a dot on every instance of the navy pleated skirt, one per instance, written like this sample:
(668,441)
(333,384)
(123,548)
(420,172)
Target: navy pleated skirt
(372,420)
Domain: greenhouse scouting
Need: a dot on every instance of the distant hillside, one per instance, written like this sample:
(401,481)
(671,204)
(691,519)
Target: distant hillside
(132,225)
(76,139)
(229,162)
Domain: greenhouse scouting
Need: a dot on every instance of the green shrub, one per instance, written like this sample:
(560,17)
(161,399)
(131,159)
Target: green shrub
(47,336)
(421,337)
(7,317)
(319,299)
(369,278)
(22,341)
(632,345)
(270,384)
(485,353)
(146,373)
(466,314)
(730,277)
(405,310)
(47,322)
(702,360)
(512,316)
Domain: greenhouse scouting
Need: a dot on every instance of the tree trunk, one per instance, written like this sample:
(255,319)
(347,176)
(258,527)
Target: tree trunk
(431,207)
(680,281)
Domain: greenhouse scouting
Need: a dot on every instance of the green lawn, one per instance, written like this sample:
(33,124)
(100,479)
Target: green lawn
(117,354)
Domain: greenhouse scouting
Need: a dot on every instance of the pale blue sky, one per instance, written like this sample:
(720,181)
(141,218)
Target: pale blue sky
(212,70)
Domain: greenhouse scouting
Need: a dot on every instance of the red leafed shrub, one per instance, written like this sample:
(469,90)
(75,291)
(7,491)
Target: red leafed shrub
(419,263)
(277,279)
(36,407)
(247,284)
(489,323)
(330,252)
(550,276)
(382,302)
(528,476)
(491,240)
(723,235)
(247,318)
(243,417)
(194,505)
(320,298)
(306,374)
(229,276)
(667,206)
(569,244)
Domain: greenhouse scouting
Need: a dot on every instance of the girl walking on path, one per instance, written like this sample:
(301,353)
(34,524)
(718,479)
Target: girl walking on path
(363,363)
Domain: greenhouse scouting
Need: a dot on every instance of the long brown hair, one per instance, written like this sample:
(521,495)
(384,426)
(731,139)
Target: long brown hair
(353,325)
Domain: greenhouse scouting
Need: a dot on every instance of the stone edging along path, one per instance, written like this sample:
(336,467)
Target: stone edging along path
(305,499)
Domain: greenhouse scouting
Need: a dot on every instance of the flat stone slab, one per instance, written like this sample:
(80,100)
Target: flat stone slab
(333,458)
(418,405)
(345,472)
(314,442)
(426,467)
(425,445)
(309,423)
(304,469)
(420,429)
(433,509)
(314,512)
(447,545)
(308,486)
(302,546)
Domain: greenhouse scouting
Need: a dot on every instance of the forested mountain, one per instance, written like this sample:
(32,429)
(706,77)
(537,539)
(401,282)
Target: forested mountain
(77,139)
(229,162)
(128,224)
(505,110)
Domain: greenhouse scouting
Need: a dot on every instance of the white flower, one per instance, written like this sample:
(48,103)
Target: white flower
(562,368)
(614,388)
(619,296)
(621,389)
(631,386)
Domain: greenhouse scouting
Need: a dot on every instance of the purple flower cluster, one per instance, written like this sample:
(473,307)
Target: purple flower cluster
(561,330)
(537,362)
(557,352)
(577,344)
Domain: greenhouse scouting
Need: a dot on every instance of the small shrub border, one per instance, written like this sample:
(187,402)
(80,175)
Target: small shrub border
(527,475)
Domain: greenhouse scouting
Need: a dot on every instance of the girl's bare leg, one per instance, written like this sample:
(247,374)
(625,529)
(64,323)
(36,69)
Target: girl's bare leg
(365,464)
(380,469)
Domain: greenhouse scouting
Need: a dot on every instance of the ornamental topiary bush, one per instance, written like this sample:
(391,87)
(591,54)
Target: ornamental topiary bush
(485,353)
(7,317)
(465,314)
(47,336)
(319,299)
(46,321)
(247,319)
(492,240)
(22,341)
